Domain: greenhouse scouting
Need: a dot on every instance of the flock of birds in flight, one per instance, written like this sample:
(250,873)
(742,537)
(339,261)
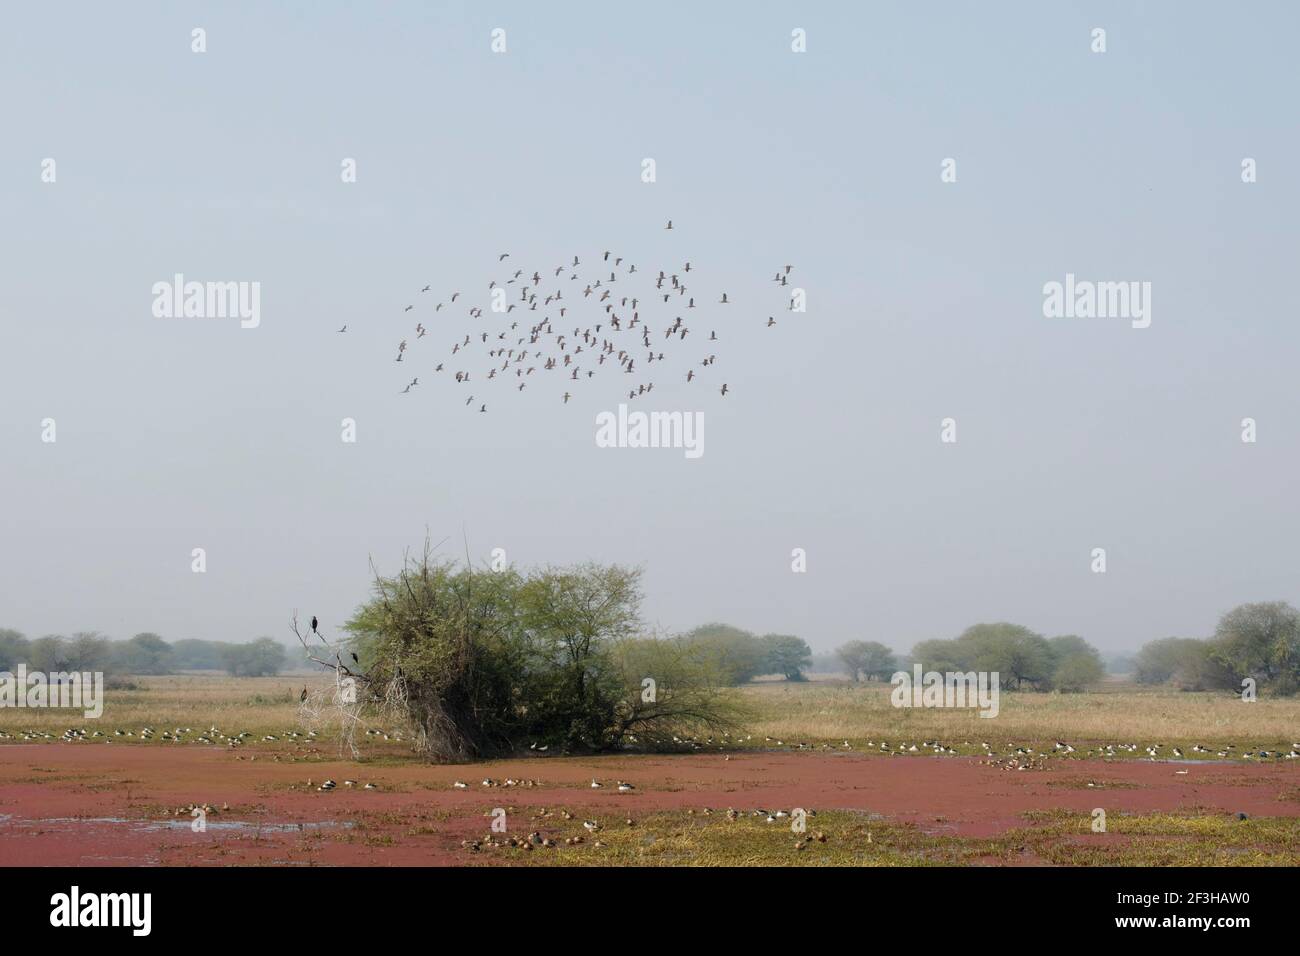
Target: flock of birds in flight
(610,317)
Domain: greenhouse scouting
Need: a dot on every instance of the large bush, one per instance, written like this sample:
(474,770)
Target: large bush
(488,662)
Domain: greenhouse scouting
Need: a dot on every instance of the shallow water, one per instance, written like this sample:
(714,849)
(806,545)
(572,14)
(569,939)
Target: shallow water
(178,824)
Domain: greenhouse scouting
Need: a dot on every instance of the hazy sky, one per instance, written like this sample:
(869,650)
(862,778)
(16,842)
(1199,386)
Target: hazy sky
(924,301)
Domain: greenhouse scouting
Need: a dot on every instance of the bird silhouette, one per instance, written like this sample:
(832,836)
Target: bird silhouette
(608,326)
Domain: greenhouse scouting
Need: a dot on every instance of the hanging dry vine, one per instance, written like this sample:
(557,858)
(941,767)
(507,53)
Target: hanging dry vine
(352,696)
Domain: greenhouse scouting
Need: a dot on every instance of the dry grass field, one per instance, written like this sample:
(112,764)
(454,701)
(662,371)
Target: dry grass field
(782,715)
(1117,712)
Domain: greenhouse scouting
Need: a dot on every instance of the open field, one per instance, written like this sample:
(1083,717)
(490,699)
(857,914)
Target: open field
(1119,712)
(126,800)
(813,713)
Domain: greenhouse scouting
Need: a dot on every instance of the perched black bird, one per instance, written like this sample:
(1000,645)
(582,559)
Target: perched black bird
(313,623)
(303,696)
(354,658)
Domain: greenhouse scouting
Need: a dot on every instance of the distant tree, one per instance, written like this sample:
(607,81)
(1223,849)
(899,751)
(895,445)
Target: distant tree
(1184,662)
(735,654)
(785,654)
(1157,660)
(852,656)
(1078,672)
(867,660)
(1076,664)
(1020,656)
(197,655)
(49,654)
(940,655)
(144,654)
(14,649)
(1262,641)
(89,651)
(1067,644)
(1200,668)
(881,662)
(262,657)
(268,656)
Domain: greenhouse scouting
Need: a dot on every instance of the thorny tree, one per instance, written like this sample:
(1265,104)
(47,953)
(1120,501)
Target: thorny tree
(491,662)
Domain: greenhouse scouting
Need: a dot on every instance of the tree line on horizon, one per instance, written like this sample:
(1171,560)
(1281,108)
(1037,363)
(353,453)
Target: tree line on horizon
(739,655)
(144,654)
(1258,640)
(1022,658)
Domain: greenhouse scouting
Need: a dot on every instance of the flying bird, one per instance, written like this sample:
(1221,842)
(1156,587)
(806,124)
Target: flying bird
(611,329)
